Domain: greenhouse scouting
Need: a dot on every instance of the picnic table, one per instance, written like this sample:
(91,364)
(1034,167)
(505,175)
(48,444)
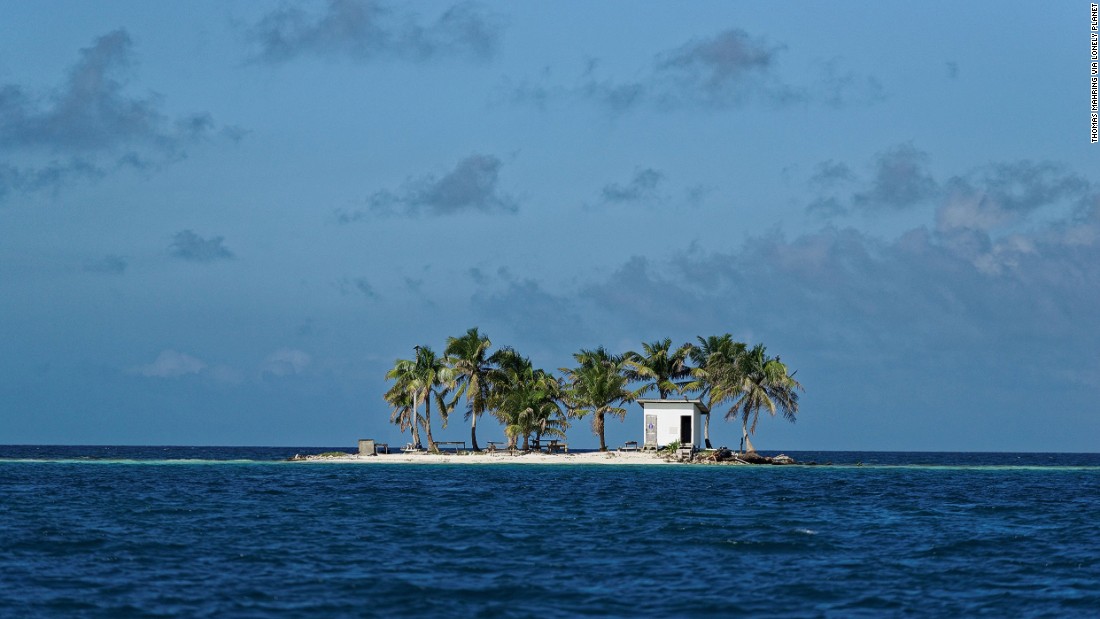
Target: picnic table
(555,445)
(381,448)
(457,445)
(629,446)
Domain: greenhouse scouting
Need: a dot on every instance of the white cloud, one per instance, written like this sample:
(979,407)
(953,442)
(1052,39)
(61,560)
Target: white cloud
(171,364)
(286,362)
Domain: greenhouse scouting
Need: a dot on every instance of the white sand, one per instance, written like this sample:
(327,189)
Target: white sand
(611,457)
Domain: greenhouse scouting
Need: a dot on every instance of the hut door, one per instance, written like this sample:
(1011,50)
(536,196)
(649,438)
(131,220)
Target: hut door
(685,430)
(651,430)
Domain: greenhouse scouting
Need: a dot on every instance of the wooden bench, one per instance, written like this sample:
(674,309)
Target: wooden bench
(629,446)
(498,447)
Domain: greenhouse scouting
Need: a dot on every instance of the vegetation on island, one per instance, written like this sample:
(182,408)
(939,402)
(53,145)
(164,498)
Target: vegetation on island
(531,403)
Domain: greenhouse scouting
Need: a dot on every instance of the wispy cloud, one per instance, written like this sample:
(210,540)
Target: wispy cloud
(641,188)
(286,362)
(1003,194)
(723,70)
(472,186)
(89,125)
(357,285)
(728,70)
(367,30)
(171,364)
(900,179)
(187,245)
(111,264)
(51,176)
(959,291)
(530,311)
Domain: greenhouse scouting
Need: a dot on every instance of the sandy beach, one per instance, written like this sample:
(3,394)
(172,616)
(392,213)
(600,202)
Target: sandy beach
(606,458)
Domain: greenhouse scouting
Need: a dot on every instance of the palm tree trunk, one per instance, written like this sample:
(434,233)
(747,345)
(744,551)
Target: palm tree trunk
(706,431)
(473,431)
(525,444)
(747,444)
(415,414)
(599,430)
(432,448)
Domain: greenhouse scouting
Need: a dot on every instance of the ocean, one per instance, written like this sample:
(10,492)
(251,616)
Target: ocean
(237,532)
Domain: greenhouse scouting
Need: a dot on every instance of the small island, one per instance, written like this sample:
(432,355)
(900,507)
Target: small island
(537,407)
(670,455)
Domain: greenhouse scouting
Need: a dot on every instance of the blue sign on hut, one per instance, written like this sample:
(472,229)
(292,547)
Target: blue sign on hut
(668,421)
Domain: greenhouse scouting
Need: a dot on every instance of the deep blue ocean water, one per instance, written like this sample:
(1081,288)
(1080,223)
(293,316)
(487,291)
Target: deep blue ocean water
(235,532)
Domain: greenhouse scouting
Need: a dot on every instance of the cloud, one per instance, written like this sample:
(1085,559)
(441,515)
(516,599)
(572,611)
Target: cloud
(636,293)
(949,286)
(470,187)
(112,264)
(91,111)
(189,246)
(900,180)
(840,87)
(171,364)
(727,70)
(89,125)
(617,97)
(531,312)
(286,362)
(1002,304)
(1025,186)
(360,285)
(991,197)
(724,70)
(366,30)
(52,175)
(830,173)
(643,187)
(1004,194)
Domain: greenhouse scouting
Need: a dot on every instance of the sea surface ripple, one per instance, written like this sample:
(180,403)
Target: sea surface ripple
(129,537)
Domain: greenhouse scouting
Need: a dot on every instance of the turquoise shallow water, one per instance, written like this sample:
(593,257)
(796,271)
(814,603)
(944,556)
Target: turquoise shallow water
(92,533)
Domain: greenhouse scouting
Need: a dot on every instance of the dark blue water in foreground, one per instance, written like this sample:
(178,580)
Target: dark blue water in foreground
(233,532)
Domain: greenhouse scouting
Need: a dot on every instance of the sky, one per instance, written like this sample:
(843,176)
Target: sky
(222,222)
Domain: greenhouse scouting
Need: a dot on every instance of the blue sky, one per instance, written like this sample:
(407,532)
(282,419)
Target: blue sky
(221,222)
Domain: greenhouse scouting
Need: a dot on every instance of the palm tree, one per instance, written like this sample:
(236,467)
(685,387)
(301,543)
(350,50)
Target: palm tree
(597,386)
(526,400)
(765,385)
(715,375)
(404,397)
(422,380)
(404,413)
(660,365)
(467,355)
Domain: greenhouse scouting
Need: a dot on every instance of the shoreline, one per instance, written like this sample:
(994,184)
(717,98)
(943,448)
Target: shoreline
(530,458)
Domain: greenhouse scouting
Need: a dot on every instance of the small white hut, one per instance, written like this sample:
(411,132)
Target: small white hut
(668,421)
